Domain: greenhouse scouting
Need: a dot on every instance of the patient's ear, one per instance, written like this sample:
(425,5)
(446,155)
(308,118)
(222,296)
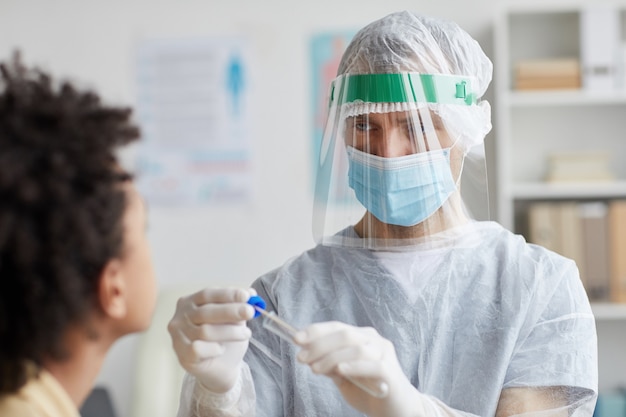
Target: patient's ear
(112,290)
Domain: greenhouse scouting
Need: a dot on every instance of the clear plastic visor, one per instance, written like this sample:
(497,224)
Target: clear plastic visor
(392,157)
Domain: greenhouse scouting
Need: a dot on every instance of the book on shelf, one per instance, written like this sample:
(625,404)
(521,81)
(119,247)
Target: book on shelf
(548,83)
(572,237)
(554,67)
(617,242)
(595,248)
(579,166)
(599,47)
(558,227)
(585,232)
(543,229)
(543,74)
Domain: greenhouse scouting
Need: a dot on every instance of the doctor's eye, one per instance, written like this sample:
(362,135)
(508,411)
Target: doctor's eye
(362,124)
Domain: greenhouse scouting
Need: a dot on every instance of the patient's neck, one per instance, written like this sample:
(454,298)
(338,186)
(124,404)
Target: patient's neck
(78,372)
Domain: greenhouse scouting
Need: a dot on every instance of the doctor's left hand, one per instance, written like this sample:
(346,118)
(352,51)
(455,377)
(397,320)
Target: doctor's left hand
(347,353)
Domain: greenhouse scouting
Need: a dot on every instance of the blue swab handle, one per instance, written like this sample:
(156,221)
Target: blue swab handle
(256,301)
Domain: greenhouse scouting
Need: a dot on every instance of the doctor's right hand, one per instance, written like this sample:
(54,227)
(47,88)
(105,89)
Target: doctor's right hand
(210,335)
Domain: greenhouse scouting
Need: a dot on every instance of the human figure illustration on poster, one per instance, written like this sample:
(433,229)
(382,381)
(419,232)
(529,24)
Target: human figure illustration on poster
(235,83)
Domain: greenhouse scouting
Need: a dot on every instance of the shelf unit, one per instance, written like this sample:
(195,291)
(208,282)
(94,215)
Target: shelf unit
(609,311)
(531,124)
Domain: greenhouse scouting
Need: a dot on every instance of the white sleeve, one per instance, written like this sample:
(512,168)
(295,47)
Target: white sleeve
(525,402)
(197,401)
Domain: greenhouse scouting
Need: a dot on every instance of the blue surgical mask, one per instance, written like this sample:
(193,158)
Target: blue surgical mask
(403,191)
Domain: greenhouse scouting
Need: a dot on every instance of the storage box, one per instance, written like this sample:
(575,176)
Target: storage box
(579,166)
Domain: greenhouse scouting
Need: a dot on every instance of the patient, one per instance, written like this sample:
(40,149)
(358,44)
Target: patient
(75,266)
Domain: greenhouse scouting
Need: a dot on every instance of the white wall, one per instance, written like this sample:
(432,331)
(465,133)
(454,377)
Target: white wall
(94,41)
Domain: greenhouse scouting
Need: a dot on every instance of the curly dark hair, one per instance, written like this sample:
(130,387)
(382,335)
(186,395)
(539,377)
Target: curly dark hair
(61,211)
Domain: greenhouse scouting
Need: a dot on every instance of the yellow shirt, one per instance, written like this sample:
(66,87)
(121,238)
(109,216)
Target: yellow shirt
(40,397)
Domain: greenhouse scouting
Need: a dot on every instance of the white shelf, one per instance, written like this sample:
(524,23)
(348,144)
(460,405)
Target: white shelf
(609,311)
(565,98)
(574,190)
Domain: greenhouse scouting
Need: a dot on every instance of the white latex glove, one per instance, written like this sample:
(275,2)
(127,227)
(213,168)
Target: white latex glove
(210,335)
(341,351)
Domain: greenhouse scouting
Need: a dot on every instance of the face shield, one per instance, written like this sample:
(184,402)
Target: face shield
(402,160)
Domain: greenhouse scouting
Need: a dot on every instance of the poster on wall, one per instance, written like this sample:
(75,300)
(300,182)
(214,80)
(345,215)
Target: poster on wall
(193,106)
(326,51)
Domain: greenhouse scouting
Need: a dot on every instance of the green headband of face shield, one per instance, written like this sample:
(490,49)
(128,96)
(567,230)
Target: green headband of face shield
(409,87)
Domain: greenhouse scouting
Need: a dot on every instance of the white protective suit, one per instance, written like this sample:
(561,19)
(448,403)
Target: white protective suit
(492,314)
